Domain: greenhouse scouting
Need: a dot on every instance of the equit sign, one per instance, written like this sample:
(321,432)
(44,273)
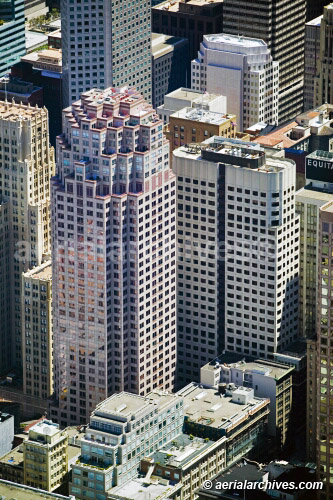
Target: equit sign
(319,170)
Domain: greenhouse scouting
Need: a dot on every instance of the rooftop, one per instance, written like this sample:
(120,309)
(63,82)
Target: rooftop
(321,155)
(173,5)
(207,407)
(126,404)
(238,472)
(12,111)
(163,44)
(312,193)
(45,427)
(203,116)
(180,451)
(262,367)
(315,22)
(14,457)
(328,208)
(21,492)
(4,417)
(42,272)
(184,93)
(235,40)
(139,489)
(33,39)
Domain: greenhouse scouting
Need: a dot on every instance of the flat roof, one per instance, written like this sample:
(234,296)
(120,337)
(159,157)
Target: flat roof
(321,155)
(184,93)
(33,39)
(42,272)
(241,41)
(126,404)
(173,5)
(13,457)
(315,22)
(163,44)
(45,427)
(139,489)
(232,360)
(269,369)
(328,207)
(207,407)
(202,116)
(21,492)
(180,451)
(310,193)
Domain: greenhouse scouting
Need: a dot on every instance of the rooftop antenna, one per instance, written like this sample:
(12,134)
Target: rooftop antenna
(6,80)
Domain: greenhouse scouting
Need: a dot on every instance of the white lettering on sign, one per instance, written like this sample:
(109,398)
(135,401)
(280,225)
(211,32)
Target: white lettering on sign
(320,164)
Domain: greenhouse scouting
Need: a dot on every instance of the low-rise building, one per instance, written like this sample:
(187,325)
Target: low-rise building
(11,466)
(230,478)
(188,98)
(168,68)
(45,456)
(187,460)
(267,378)
(170,438)
(237,415)
(124,429)
(10,490)
(190,125)
(6,433)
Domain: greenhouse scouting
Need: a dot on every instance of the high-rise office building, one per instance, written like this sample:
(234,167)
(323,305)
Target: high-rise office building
(105,43)
(316,193)
(238,240)
(323,91)
(281,25)
(324,411)
(312,52)
(242,69)
(12,34)
(168,68)
(25,172)
(37,331)
(189,19)
(114,274)
(314,8)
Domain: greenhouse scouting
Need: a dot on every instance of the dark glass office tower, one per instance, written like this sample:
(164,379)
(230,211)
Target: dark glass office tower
(12,35)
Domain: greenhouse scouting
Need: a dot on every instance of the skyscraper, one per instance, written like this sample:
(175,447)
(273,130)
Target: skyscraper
(242,69)
(312,53)
(237,252)
(105,43)
(324,412)
(114,256)
(25,171)
(323,91)
(12,34)
(281,25)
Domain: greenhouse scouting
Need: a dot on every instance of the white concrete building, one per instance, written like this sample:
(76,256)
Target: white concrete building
(238,242)
(123,430)
(188,98)
(242,69)
(114,278)
(100,50)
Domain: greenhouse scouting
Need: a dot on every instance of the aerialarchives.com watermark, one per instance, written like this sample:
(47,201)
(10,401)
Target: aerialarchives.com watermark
(262,485)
